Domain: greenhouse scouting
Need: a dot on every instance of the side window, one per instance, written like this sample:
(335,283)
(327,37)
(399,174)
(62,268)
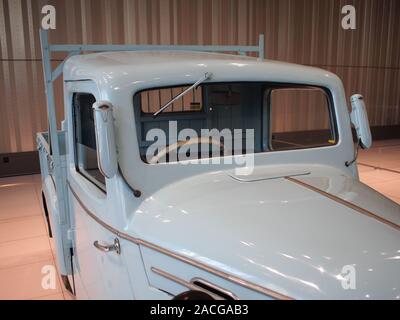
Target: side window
(85,139)
(300,118)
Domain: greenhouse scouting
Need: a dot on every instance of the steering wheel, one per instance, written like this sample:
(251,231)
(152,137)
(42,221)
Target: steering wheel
(180,143)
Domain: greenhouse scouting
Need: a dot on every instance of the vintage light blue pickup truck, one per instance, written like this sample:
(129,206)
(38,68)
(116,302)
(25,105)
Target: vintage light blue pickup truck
(144,203)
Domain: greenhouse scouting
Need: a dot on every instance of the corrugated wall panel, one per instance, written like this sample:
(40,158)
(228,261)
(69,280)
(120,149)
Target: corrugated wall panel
(300,31)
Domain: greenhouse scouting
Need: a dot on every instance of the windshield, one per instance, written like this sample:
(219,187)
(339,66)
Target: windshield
(224,119)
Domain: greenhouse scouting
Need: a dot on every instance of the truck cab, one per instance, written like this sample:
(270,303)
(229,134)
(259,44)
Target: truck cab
(232,176)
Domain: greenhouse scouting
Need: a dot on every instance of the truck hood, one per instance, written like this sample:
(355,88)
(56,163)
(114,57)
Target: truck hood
(280,234)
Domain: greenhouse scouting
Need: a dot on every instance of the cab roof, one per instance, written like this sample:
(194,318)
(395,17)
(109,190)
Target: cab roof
(156,68)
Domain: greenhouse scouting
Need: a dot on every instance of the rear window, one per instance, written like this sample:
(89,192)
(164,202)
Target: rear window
(153,100)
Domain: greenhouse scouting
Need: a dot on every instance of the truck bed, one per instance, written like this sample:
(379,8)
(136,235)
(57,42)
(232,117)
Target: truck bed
(53,198)
(45,154)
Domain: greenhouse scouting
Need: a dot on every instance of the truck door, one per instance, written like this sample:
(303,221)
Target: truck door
(98,274)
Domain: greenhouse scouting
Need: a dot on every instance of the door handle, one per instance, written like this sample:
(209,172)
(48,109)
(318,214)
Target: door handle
(109,247)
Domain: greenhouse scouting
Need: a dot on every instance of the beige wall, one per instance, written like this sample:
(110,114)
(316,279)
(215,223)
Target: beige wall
(301,31)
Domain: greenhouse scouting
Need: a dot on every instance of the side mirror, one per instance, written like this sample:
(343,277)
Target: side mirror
(359,118)
(105,139)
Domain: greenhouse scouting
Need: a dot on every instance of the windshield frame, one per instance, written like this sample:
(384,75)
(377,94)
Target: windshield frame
(334,126)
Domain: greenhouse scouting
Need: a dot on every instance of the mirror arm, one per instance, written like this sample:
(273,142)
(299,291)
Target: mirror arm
(349,163)
(136,192)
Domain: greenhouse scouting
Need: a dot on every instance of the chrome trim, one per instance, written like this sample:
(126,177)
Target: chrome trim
(214,286)
(272,177)
(184,283)
(200,265)
(345,203)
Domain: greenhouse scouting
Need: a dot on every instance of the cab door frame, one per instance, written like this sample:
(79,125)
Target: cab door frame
(99,275)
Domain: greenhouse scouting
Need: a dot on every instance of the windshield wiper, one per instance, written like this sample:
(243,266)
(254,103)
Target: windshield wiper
(206,76)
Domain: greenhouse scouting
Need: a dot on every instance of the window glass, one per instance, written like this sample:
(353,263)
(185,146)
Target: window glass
(85,139)
(153,100)
(224,117)
(299,118)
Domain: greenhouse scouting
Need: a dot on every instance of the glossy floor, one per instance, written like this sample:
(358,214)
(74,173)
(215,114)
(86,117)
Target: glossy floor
(26,252)
(27,267)
(385,155)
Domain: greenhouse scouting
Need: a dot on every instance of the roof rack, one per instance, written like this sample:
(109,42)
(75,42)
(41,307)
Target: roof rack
(51,75)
